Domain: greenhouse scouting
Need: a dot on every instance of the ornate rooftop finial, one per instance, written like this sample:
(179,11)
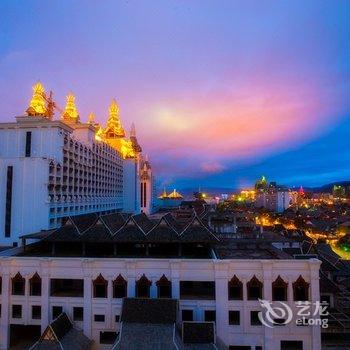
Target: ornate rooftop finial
(99,135)
(127,149)
(132,130)
(114,127)
(137,148)
(175,195)
(91,118)
(114,109)
(37,105)
(164,195)
(70,112)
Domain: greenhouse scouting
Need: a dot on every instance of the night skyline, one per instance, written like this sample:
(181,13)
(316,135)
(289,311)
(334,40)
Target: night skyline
(220,92)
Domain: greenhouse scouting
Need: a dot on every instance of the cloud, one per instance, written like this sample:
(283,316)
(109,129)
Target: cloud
(212,167)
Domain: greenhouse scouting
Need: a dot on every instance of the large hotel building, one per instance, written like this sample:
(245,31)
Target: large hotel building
(52,169)
(93,271)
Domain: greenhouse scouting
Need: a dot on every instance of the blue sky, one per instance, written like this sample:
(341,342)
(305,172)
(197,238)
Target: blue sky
(221,92)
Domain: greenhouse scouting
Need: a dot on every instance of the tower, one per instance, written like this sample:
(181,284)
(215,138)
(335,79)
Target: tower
(114,128)
(91,119)
(37,104)
(146,186)
(137,148)
(70,113)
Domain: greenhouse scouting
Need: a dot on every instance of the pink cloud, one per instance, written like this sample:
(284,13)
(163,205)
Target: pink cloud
(212,167)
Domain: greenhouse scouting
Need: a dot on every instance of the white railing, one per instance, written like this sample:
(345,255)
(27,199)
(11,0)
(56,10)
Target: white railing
(174,337)
(119,338)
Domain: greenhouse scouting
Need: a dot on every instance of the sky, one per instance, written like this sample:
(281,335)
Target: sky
(221,92)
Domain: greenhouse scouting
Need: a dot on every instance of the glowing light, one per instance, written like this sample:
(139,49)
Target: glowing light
(247,195)
(70,112)
(127,149)
(91,119)
(163,195)
(37,105)
(99,134)
(114,127)
(175,195)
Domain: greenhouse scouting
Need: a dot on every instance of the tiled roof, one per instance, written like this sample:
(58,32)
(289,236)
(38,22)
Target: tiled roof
(143,222)
(136,228)
(243,249)
(114,222)
(163,232)
(61,335)
(196,230)
(84,222)
(146,337)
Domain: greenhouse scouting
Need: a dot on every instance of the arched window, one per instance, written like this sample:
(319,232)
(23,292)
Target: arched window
(235,289)
(279,289)
(164,287)
(254,289)
(35,285)
(120,287)
(100,287)
(143,287)
(18,285)
(301,289)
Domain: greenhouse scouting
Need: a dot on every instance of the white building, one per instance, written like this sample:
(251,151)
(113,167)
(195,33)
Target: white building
(272,196)
(148,189)
(51,169)
(88,266)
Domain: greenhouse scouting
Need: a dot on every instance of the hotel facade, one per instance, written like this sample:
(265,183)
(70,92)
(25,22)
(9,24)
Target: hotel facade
(92,265)
(93,271)
(51,169)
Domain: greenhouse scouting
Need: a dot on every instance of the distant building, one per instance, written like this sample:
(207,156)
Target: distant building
(170,200)
(339,191)
(272,196)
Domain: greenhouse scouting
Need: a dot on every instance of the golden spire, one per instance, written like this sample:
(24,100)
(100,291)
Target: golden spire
(37,105)
(114,127)
(91,119)
(137,148)
(99,135)
(70,112)
(175,195)
(126,149)
(133,130)
(163,195)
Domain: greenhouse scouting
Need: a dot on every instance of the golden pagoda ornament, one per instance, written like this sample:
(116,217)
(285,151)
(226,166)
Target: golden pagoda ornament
(37,105)
(127,149)
(99,134)
(91,119)
(70,113)
(164,195)
(114,127)
(175,195)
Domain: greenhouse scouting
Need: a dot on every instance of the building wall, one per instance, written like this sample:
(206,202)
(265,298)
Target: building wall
(283,201)
(147,196)
(30,206)
(175,270)
(277,201)
(131,184)
(67,173)
(147,188)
